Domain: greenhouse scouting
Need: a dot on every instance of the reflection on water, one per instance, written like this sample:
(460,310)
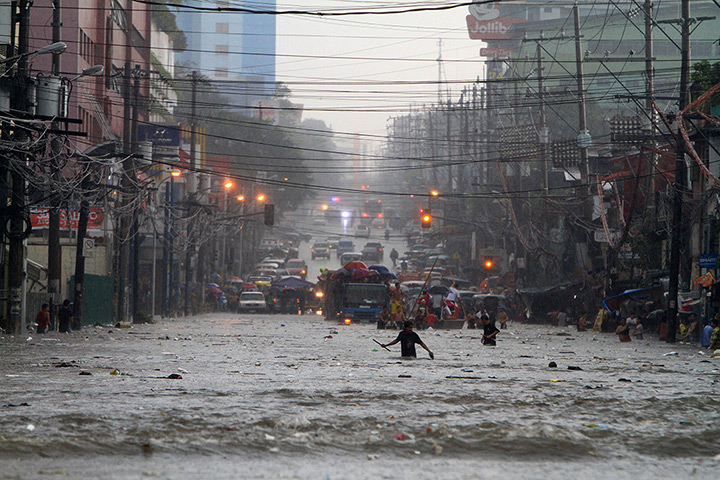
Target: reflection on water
(296,397)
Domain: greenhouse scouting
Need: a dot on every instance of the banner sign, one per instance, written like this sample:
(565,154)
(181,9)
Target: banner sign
(40,218)
(705,280)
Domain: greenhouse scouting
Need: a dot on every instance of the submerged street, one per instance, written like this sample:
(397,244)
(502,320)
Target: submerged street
(297,397)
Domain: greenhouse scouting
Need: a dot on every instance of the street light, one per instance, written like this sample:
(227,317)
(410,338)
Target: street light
(55,48)
(260,198)
(89,72)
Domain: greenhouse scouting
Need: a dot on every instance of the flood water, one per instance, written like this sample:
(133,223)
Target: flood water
(295,397)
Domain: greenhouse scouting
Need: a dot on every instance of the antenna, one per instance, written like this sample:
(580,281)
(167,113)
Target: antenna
(441,73)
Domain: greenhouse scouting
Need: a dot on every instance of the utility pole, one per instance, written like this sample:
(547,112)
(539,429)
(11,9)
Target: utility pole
(584,140)
(123,304)
(191,190)
(680,174)
(543,133)
(54,248)
(650,89)
(135,224)
(16,238)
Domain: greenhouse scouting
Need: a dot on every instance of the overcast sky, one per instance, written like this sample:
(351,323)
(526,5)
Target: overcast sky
(359,64)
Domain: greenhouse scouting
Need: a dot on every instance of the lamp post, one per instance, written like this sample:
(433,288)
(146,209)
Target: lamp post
(168,244)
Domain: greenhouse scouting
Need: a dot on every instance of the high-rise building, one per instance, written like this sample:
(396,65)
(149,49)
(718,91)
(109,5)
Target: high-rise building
(233,47)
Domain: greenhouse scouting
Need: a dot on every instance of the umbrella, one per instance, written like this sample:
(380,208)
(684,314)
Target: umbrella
(249,286)
(214,290)
(382,270)
(638,294)
(236,280)
(360,273)
(355,265)
(439,290)
(212,285)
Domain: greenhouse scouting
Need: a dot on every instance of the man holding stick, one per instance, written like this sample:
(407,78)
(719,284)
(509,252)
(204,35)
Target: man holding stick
(408,339)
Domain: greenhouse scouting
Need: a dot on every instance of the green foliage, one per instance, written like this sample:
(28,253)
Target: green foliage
(704,76)
(166,22)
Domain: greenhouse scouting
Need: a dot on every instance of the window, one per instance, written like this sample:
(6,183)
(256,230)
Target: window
(222,28)
(221,49)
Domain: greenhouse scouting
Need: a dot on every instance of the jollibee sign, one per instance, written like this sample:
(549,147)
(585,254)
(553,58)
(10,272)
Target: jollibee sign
(485,23)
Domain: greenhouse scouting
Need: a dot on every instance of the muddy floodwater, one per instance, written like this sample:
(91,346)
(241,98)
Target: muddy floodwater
(295,397)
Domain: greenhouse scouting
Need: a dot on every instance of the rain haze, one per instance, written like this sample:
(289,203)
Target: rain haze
(348,240)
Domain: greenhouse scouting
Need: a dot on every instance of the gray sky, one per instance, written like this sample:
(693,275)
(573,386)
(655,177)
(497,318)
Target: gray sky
(377,51)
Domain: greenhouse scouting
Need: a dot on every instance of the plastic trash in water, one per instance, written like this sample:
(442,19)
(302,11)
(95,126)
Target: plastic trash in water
(596,425)
(30,427)
(670,354)
(400,436)
(114,371)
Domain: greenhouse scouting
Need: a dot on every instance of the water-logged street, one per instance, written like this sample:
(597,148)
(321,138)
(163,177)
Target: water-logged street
(271,397)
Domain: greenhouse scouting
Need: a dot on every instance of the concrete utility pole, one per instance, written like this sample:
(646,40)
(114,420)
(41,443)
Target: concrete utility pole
(54,248)
(583,136)
(650,89)
(680,174)
(543,133)
(191,190)
(16,238)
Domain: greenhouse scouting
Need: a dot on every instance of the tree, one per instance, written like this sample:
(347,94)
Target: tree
(705,75)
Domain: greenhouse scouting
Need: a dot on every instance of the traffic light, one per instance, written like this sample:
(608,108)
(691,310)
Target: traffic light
(426,218)
(269,214)
(488,263)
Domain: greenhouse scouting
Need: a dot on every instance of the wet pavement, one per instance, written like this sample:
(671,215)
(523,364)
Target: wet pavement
(276,397)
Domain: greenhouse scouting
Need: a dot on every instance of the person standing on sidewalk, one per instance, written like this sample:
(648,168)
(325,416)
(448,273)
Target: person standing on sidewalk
(65,317)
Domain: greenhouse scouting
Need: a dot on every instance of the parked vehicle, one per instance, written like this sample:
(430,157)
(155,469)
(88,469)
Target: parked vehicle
(252,301)
(378,223)
(373,252)
(320,250)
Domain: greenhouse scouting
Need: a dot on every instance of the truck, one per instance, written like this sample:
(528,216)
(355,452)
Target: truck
(347,301)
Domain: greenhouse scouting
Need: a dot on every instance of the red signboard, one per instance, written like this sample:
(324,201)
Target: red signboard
(495,29)
(40,218)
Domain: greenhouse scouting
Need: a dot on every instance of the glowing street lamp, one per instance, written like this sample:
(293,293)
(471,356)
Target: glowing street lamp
(176,173)
(241,198)
(261,197)
(434,193)
(229,184)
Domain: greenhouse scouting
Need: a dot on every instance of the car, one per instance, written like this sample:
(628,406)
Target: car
(362,231)
(333,241)
(378,223)
(260,279)
(320,249)
(252,301)
(319,221)
(297,268)
(373,252)
(344,245)
(348,257)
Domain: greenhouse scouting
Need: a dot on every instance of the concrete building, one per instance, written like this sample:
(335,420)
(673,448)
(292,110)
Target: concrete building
(232,48)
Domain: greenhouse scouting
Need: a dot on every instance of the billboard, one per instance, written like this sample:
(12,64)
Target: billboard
(485,22)
(40,218)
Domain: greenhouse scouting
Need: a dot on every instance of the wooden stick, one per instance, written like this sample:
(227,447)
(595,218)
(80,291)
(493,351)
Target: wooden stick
(386,348)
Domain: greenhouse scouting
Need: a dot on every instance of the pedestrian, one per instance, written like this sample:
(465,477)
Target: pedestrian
(396,303)
(622,331)
(420,318)
(502,317)
(582,322)
(472,320)
(403,266)
(639,330)
(387,234)
(408,339)
(431,319)
(631,323)
(65,317)
(437,304)
(490,331)
(715,336)
(383,318)
(707,332)
(394,256)
(689,334)
(562,317)
(43,319)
